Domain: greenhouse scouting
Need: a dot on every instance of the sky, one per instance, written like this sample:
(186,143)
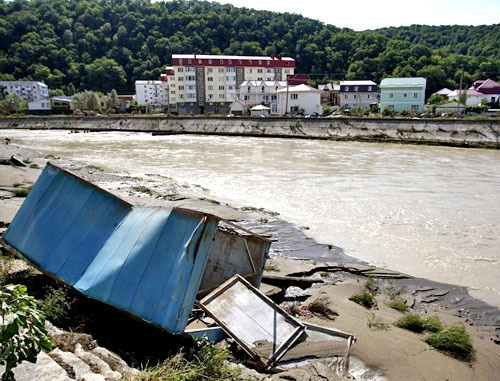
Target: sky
(372,14)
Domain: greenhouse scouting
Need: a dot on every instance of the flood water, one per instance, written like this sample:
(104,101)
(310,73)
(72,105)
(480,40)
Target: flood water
(428,211)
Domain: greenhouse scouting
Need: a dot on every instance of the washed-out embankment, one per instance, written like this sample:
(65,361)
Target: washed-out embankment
(452,132)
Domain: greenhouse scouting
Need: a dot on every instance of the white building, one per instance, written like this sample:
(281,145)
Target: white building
(261,93)
(357,94)
(35,93)
(301,98)
(473,97)
(152,93)
(209,83)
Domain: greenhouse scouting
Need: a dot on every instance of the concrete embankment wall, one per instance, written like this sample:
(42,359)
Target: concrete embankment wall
(469,133)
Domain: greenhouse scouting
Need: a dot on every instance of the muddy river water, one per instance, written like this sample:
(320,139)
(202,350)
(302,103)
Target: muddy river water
(428,211)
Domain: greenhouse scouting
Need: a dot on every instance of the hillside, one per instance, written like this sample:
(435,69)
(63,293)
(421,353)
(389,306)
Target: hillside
(105,44)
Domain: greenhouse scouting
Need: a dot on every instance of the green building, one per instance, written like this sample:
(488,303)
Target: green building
(400,94)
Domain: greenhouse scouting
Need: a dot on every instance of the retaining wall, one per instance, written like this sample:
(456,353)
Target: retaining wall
(467,133)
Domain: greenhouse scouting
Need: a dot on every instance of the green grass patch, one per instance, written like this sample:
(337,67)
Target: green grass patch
(142,189)
(364,298)
(22,192)
(204,361)
(454,340)
(415,323)
(34,166)
(271,266)
(399,305)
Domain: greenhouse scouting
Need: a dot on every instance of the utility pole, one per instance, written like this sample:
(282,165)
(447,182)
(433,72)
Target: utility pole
(286,102)
(460,91)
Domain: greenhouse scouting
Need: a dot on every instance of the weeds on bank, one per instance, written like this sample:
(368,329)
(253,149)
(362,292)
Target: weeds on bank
(34,166)
(415,323)
(365,296)
(22,192)
(271,266)
(142,189)
(204,361)
(399,305)
(454,340)
(396,302)
(56,304)
(261,210)
(376,323)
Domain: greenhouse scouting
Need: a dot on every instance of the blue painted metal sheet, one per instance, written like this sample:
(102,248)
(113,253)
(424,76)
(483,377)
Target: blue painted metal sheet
(146,261)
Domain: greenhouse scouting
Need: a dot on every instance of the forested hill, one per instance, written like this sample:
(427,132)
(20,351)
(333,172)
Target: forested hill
(105,44)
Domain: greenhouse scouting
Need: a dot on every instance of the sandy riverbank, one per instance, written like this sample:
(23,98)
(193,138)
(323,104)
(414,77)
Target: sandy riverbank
(395,353)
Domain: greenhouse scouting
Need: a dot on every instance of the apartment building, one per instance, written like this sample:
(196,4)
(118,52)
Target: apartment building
(152,94)
(201,83)
(357,94)
(35,93)
(261,93)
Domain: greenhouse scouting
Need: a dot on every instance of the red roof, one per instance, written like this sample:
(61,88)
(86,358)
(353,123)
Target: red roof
(487,86)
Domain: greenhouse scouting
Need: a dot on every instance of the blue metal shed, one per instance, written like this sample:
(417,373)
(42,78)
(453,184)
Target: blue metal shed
(145,261)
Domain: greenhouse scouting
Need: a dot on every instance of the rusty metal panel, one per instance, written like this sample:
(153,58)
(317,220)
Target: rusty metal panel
(253,320)
(145,261)
(234,252)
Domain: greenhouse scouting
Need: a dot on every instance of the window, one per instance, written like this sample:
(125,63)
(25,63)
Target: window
(172,85)
(210,62)
(294,109)
(356,88)
(391,107)
(180,69)
(273,97)
(269,70)
(180,79)
(210,96)
(246,97)
(368,96)
(190,78)
(391,95)
(230,69)
(210,87)
(210,79)
(405,95)
(230,87)
(173,92)
(263,89)
(248,89)
(287,71)
(190,87)
(294,96)
(190,61)
(221,87)
(239,62)
(221,70)
(260,62)
(249,62)
(345,96)
(229,62)
(199,62)
(210,70)
(181,87)
(260,71)
(181,96)
(354,96)
(369,88)
(221,62)
(415,95)
(249,70)
(259,78)
(221,96)
(347,88)
(414,107)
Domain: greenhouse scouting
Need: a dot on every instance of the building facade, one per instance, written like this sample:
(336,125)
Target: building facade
(261,93)
(330,94)
(209,83)
(299,99)
(403,94)
(152,94)
(35,93)
(357,94)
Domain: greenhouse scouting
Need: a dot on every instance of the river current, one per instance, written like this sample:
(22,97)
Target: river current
(432,212)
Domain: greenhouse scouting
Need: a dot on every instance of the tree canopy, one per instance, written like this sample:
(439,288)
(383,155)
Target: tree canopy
(107,44)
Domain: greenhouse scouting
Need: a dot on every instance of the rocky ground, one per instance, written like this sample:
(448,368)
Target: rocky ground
(381,351)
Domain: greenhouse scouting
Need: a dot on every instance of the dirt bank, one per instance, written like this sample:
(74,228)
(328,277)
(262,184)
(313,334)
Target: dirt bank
(392,352)
(453,132)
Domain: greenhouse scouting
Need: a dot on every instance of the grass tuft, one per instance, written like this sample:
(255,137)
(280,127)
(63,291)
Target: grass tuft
(376,323)
(142,189)
(415,323)
(22,192)
(364,298)
(271,266)
(399,305)
(454,340)
(56,304)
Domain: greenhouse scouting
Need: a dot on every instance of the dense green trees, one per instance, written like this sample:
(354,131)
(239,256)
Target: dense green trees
(103,44)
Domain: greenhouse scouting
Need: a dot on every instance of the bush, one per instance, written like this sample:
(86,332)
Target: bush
(22,192)
(364,298)
(415,323)
(56,303)
(398,304)
(22,329)
(454,340)
(271,266)
(411,322)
